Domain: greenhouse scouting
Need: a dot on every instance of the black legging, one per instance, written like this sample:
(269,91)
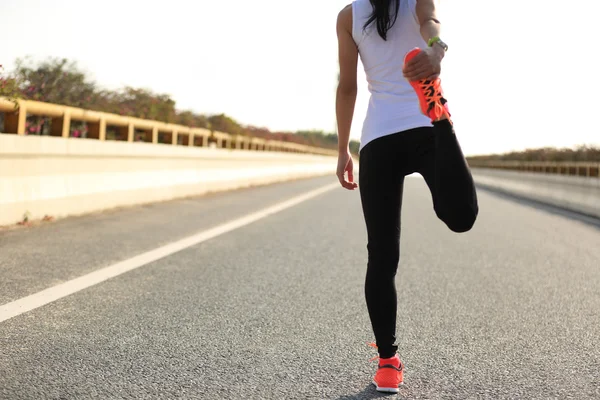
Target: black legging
(435,153)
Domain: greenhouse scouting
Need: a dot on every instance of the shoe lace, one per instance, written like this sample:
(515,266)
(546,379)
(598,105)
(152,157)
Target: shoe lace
(372,344)
(433,94)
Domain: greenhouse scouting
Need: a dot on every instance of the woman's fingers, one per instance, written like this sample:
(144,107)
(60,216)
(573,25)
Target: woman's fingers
(350,184)
(346,165)
(341,178)
(419,74)
(420,67)
(414,69)
(418,60)
(417,70)
(423,72)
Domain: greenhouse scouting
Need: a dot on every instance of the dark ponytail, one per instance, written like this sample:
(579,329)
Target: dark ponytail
(384,15)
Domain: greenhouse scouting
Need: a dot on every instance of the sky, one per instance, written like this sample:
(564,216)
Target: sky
(518,73)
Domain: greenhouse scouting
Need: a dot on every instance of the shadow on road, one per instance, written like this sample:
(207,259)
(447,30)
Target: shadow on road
(369,392)
(586,219)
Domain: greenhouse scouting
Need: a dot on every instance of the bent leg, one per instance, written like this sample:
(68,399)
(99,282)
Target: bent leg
(445,170)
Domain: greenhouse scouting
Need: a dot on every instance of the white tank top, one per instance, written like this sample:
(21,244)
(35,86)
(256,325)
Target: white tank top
(393,106)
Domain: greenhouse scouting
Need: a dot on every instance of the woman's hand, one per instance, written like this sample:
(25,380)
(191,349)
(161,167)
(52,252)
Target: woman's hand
(346,164)
(425,65)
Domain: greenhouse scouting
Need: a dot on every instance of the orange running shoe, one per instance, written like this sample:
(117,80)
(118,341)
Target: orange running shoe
(390,375)
(431,97)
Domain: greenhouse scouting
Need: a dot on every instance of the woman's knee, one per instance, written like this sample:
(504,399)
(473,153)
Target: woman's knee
(459,220)
(383,258)
(462,226)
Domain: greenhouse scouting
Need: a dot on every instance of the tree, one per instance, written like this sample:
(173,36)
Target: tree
(60,81)
(9,87)
(189,118)
(143,103)
(54,81)
(223,123)
(587,153)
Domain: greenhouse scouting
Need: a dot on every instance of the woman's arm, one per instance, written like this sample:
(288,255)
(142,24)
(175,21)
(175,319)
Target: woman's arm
(427,16)
(347,86)
(426,65)
(346,95)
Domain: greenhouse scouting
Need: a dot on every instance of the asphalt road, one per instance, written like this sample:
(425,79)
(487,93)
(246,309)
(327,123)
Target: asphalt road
(275,309)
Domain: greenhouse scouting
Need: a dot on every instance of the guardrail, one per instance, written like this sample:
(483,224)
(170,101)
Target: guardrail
(130,129)
(587,169)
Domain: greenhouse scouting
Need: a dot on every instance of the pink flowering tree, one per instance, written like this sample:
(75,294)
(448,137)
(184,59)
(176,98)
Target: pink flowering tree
(9,87)
(60,81)
(55,81)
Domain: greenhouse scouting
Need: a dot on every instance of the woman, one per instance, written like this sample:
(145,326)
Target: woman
(407,129)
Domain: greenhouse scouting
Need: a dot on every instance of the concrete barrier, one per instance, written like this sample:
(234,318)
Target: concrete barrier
(56,176)
(575,193)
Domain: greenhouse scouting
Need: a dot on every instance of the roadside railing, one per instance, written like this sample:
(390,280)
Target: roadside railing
(105,126)
(588,169)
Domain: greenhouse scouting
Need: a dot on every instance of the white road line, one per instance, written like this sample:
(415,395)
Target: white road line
(26,304)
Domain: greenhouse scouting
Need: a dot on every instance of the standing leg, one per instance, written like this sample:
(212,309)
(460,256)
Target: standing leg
(381,183)
(449,179)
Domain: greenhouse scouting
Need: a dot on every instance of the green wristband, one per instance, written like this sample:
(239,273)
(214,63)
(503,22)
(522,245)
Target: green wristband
(431,41)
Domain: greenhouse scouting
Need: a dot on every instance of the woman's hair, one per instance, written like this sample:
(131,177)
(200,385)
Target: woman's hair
(384,15)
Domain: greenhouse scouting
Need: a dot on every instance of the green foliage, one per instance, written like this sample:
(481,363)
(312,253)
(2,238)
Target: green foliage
(328,140)
(189,118)
(54,81)
(9,86)
(60,81)
(223,123)
(313,137)
(354,146)
(143,103)
(587,153)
